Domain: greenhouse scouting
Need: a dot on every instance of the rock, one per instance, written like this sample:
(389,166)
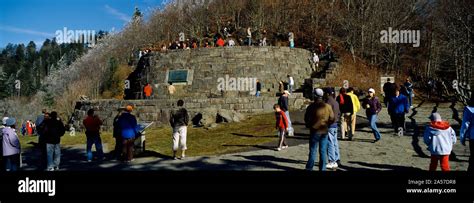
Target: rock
(208,116)
(213,125)
(229,116)
(298,103)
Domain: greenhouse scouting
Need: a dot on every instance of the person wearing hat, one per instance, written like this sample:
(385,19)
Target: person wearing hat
(129,130)
(467,130)
(11,146)
(318,117)
(372,107)
(3,125)
(333,147)
(283,103)
(440,138)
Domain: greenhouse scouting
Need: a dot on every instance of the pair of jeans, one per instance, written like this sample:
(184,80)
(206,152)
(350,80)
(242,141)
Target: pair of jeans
(333,146)
(373,126)
(316,140)
(54,155)
(410,98)
(444,159)
(287,114)
(257,94)
(94,140)
(12,162)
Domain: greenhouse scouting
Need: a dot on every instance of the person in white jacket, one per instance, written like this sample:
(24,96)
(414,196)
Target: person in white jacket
(467,131)
(440,138)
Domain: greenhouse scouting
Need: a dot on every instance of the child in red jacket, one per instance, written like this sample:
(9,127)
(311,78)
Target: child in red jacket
(281,126)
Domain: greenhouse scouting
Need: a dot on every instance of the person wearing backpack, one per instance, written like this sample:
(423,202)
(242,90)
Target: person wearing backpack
(467,131)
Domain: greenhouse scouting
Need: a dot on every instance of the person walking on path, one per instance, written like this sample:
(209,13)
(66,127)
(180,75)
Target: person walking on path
(282,127)
(346,108)
(283,103)
(53,129)
(356,108)
(179,122)
(318,117)
(389,91)
(92,124)
(397,108)
(409,87)
(467,131)
(372,108)
(11,148)
(333,147)
(129,130)
(440,138)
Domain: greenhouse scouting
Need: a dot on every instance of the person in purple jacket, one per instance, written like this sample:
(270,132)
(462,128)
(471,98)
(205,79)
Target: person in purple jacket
(11,146)
(372,107)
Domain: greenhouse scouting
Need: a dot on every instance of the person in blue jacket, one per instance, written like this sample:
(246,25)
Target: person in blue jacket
(467,130)
(129,130)
(397,108)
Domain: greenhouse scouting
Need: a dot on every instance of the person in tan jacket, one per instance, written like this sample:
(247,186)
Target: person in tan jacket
(318,117)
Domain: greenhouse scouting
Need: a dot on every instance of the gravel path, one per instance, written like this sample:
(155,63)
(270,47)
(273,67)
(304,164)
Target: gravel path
(391,153)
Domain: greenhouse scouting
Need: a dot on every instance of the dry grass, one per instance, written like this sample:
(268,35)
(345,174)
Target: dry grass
(360,75)
(225,138)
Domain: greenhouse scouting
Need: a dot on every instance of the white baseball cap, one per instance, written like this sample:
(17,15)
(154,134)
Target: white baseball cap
(372,90)
(4,120)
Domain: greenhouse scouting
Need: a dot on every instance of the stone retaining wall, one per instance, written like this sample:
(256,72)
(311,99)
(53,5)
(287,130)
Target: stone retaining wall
(157,110)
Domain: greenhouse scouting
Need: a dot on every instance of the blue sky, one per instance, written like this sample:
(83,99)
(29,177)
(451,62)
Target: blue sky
(22,21)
